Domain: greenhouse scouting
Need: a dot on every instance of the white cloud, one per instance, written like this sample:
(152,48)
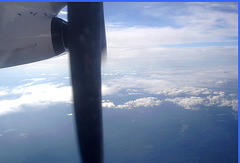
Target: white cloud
(185,90)
(110,74)
(3,93)
(141,102)
(33,81)
(39,95)
(43,95)
(108,90)
(194,25)
(188,103)
(107,104)
(194,102)
(146,102)
(221,82)
(170,81)
(113,86)
(189,88)
(54,74)
(186,97)
(133,92)
(159,36)
(222,101)
(143,55)
(234,105)
(204,16)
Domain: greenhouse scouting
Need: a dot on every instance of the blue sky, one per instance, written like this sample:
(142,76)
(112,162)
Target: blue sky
(184,53)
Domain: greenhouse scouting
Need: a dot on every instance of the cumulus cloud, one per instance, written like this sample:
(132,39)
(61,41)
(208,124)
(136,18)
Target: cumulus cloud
(194,102)
(188,103)
(184,87)
(234,105)
(147,102)
(141,102)
(107,104)
(221,101)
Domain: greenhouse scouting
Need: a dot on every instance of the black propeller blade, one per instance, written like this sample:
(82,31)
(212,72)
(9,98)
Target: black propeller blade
(86,42)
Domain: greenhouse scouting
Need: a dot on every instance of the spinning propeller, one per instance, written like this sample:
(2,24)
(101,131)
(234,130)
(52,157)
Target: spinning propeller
(31,32)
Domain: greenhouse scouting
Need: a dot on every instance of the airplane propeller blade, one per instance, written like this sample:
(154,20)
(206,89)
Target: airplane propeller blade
(86,41)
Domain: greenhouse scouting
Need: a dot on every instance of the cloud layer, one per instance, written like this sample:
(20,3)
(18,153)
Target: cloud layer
(147,94)
(38,95)
(192,100)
